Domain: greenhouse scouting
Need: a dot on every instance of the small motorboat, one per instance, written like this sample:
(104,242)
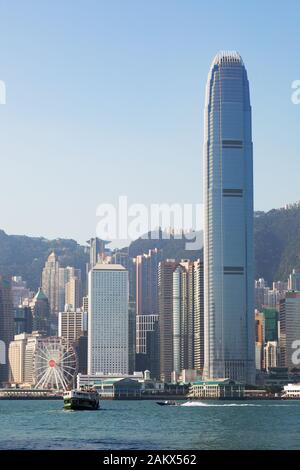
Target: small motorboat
(168,403)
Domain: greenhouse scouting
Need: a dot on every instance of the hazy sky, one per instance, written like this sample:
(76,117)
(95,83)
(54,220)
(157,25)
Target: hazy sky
(105,98)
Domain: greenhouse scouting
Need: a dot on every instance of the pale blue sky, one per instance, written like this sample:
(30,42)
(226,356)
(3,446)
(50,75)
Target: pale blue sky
(105,98)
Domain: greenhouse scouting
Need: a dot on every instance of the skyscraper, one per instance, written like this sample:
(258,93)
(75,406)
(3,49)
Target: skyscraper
(228,222)
(6,326)
(188,328)
(183,317)
(165,295)
(289,329)
(108,319)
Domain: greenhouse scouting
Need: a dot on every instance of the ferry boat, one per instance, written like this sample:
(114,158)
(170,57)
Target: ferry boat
(81,400)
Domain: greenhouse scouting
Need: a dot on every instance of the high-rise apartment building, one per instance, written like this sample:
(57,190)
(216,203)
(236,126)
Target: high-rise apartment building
(188,316)
(108,319)
(147,282)
(228,222)
(198,315)
(183,317)
(165,295)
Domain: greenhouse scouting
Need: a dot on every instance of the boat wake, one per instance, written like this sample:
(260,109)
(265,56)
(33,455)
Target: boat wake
(199,403)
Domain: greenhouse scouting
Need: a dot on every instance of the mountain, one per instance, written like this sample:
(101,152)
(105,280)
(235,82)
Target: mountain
(277,242)
(172,247)
(25,256)
(276,235)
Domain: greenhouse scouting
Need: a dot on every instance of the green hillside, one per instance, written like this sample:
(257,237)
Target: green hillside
(276,234)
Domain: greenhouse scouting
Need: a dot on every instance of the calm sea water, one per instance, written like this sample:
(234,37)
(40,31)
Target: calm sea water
(145,425)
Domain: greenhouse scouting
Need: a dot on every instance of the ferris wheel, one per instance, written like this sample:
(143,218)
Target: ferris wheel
(55,364)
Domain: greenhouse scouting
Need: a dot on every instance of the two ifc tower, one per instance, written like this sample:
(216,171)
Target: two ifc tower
(228,223)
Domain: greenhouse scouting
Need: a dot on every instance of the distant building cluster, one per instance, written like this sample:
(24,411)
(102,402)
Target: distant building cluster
(129,320)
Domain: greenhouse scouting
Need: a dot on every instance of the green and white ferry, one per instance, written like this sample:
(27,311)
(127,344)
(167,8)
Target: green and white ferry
(81,400)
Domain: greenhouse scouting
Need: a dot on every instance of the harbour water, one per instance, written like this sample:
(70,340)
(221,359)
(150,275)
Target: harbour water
(33,424)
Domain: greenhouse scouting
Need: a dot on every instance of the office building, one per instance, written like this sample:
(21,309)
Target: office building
(108,319)
(290,330)
(71,323)
(16,359)
(6,326)
(228,223)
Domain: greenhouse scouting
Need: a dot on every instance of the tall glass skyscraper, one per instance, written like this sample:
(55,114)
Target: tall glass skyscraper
(228,222)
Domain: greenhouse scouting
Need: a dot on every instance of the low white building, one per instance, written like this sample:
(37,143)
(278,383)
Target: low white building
(96,380)
(291,391)
(217,388)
